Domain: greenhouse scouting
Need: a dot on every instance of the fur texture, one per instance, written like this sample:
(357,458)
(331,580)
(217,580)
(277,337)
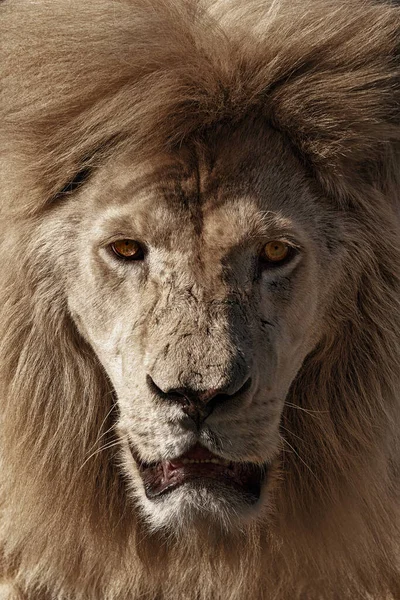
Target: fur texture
(89,89)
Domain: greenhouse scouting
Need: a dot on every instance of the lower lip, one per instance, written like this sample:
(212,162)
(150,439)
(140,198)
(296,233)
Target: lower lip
(160,479)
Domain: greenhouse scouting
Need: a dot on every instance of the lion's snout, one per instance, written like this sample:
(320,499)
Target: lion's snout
(199,359)
(199,404)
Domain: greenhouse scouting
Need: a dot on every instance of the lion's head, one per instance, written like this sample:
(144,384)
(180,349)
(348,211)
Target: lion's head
(200,279)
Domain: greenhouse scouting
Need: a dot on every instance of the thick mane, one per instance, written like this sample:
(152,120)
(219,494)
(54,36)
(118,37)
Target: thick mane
(82,80)
(324,73)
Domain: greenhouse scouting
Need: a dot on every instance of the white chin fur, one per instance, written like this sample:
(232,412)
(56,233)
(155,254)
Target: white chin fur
(192,504)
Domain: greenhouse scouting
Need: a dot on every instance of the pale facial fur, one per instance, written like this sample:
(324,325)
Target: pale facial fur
(199,311)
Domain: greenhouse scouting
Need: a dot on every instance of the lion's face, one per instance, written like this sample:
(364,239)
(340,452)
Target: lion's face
(201,333)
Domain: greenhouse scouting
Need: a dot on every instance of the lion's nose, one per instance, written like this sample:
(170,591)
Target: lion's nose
(197,404)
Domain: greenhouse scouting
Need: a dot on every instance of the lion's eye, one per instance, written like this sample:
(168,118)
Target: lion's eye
(275,252)
(128,249)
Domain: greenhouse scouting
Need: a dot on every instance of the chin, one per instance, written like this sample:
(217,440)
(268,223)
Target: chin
(199,489)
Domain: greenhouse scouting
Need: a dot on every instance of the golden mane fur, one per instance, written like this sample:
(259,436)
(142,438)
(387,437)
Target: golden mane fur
(83,79)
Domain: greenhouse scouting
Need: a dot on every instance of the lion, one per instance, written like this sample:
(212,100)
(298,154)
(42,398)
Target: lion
(199,313)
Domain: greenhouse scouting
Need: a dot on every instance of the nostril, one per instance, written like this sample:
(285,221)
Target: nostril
(199,399)
(171,394)
(154,387)
(197,410)
(222,397)
(197,404)
(184,396)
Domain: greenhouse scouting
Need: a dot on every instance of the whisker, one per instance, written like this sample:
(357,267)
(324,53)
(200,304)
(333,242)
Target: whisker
(300,458)
(307,410)
(107,446)
(101,427)
(293,434)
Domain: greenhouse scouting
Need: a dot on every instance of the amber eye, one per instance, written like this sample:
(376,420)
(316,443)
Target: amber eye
(128,249)
(275,251)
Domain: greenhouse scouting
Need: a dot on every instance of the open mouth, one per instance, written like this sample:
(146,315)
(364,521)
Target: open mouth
(201,465)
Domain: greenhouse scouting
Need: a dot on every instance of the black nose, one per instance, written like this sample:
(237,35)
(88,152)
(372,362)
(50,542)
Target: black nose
(197,404)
